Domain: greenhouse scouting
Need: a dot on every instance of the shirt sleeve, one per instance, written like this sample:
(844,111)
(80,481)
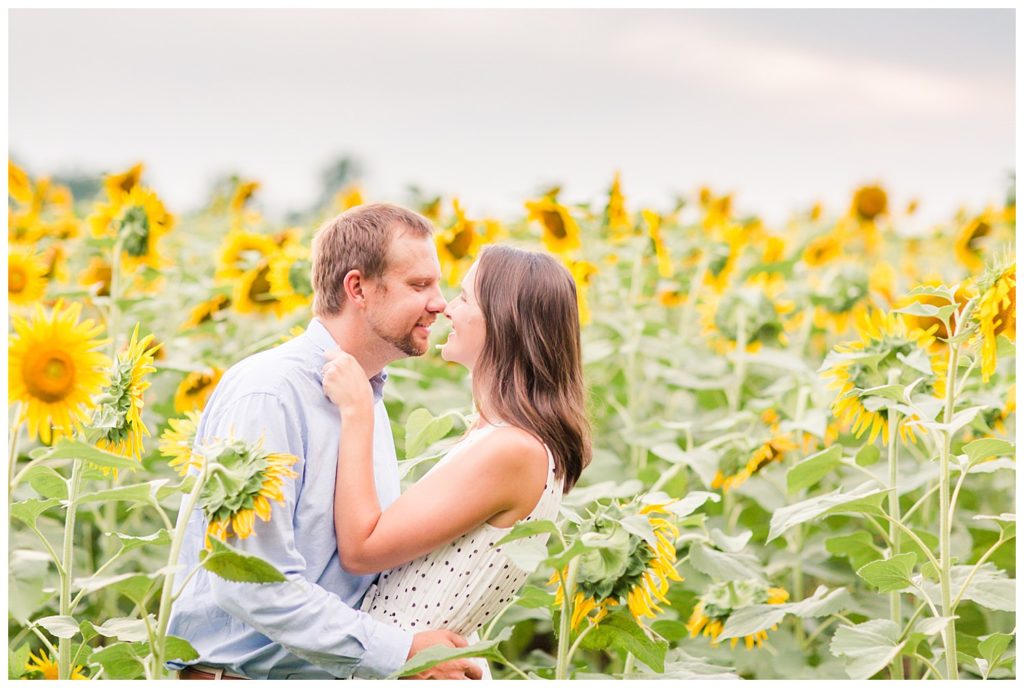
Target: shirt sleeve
(302,617)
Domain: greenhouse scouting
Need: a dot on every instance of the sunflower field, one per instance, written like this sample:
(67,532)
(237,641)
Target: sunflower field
(804,458)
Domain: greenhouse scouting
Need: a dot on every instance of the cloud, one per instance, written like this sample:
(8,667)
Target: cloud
(699,53)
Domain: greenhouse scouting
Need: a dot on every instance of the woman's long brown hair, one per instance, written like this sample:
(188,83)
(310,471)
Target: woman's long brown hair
(530,366)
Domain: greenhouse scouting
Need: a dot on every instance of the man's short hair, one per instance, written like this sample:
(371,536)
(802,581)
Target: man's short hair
(358,239)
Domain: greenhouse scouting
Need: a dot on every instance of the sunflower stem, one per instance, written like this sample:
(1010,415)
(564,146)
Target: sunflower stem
(638,454)
(166,594)
(12,451)
(695,285)
(740,356)
(628,668)
(895,602)
(945,520)
(564,625)
(108,510)
(67,566)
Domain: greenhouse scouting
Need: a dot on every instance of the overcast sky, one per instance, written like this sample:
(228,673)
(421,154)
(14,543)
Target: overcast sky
(783,107)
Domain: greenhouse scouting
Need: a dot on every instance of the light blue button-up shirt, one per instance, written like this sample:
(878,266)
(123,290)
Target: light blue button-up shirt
(308,627)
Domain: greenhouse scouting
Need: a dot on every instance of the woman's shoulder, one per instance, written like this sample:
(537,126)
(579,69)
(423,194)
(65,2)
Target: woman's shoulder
(509,448)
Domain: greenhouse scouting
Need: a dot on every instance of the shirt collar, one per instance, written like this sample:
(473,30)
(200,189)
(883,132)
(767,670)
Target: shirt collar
(322,339)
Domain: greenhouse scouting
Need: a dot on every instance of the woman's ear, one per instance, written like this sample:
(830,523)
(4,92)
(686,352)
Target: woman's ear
(353,286)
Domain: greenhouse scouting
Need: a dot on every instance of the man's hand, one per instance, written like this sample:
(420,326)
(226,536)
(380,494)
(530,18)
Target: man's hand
(453,669)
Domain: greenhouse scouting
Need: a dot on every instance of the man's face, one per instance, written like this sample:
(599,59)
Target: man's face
(403,303)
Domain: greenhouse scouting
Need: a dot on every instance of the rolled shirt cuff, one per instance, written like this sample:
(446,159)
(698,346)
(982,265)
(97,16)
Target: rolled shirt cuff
(386,651)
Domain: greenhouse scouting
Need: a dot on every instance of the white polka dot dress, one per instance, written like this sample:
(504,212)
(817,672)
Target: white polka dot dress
(459,586)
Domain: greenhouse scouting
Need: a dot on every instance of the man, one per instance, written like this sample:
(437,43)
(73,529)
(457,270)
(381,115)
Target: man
(376,292)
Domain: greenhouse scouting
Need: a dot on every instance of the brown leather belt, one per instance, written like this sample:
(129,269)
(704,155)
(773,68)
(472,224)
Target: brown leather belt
(191,673)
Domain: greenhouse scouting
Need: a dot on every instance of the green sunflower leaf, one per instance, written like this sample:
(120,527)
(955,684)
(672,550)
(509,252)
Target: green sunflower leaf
(864,498)
(81,451)
(28,511)
(889,575)
(47,482)
(432,656)
(528,529)
(230,564)
(60,626)
(422,429)
(858,547)
(620,631)
(867,648)
(16,660)
(121,660)
(808,472)
(725,566)
(987,447)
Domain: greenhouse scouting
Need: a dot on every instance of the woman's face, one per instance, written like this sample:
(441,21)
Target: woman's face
(466,340)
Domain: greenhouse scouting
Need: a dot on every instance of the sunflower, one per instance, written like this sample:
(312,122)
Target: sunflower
(290,278)
(632,570)
(764,321)
(19,185)
(721,600)
(717,209)
(823,249)
(177,441)
(616,217)
(119,413)
(55,258)
(195,389)
(255,293)
(967,245)
(925,322)
(582,272)
(23,227)
(123,182)
(48,668)
(882,281)
(243,192)
(206,311)
(723,255)
(670,295)
(139,219)
(241,252)
(458,245)
(996,313)
(349,197)
(288,239)
(97,275)
(869,202)
(774,449)
(653,222)
(26,276)
(243,480)
(840,297)
(431,209)
(54,369)
(887,345)
(560,233)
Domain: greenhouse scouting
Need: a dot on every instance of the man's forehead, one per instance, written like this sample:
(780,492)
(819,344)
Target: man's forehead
(410,253)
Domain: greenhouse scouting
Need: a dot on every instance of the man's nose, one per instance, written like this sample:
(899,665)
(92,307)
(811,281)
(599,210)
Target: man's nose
(437,304)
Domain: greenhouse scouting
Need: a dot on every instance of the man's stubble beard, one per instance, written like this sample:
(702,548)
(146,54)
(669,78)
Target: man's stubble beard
(405,343)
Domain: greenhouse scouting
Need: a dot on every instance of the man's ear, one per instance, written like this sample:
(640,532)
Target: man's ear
(353,286)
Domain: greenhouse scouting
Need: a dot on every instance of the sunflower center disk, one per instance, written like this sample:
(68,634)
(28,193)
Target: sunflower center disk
(554,223)
(16,280)
(49,375)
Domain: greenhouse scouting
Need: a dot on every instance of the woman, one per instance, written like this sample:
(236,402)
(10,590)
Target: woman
(515,327)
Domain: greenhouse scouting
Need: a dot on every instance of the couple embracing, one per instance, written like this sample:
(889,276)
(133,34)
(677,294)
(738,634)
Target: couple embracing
(376,575)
